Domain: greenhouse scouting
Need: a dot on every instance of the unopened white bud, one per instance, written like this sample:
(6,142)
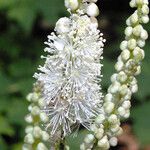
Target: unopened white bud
(145,2)
(145,9)
(41,146)
(43,117)
(145,19)
(108,107)
(45,136)
(28,129)
(141,43)
(121,111)
(72,4)
(123,45)
(99,119)
(29,138)
(137,30)
(138,54)
(82,146)
(37,131)
(128,31)
(122,77)
(89,138)
(113,119)
(99,133)
(132,44)
(114,77)
(125,55)
(134,88)
(113,141)
(92,10)
(119,65)
(133,3)
(126,104)
(114,88)
(63,25)
(138,70)
(144,35)
(123,89)
(35,111)
(41,102)
(108,97)
(134,18)
(29,119)
(103,143)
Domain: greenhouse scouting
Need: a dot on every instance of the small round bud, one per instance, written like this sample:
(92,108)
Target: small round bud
(108,97)
(119,65)
(103,143)
(99,119)
(144,35)
(82,146)
(138,71)
(123,89)
(134,18)
(125,55)
(45,136)
(126,104)
(123,45)
(43,117)
(138,54)
(134,88)
(132,44)
(37,132)
(114,77)
(108,107)
(114,88)
(28,129)
(41,146)
(92,10)
(35,111)
(141,43)
(121,111)
(145,19)
(72,4)
(41,102)
(89,138)
(145,9)
(63,25)
(29,119)
(113,141)
(128,31)
(133,3)
(113,119)
(99,133)
(137,30)
(122,77)
(29,139)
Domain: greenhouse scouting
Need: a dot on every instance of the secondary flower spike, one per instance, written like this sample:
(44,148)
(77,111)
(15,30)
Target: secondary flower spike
(71,74)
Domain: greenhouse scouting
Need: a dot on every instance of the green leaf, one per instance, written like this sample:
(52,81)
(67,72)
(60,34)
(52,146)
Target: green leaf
(140,115)
(17,111)
(75,141)
(5,127)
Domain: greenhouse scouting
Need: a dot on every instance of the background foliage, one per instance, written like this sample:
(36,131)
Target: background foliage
(24,26)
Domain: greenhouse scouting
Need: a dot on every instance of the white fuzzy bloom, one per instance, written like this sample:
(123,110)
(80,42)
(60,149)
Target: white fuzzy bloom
(71,73)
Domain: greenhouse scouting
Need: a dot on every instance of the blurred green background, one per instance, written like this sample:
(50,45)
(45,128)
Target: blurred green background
(24,26)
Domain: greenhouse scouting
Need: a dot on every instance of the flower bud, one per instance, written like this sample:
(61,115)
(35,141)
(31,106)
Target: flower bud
(145,10)
(125,55)
(145,19)
(92,10)
(63,25)
(72,4)
(123,45)
(132,44)
(113,141)
(128,31)
(29,138)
